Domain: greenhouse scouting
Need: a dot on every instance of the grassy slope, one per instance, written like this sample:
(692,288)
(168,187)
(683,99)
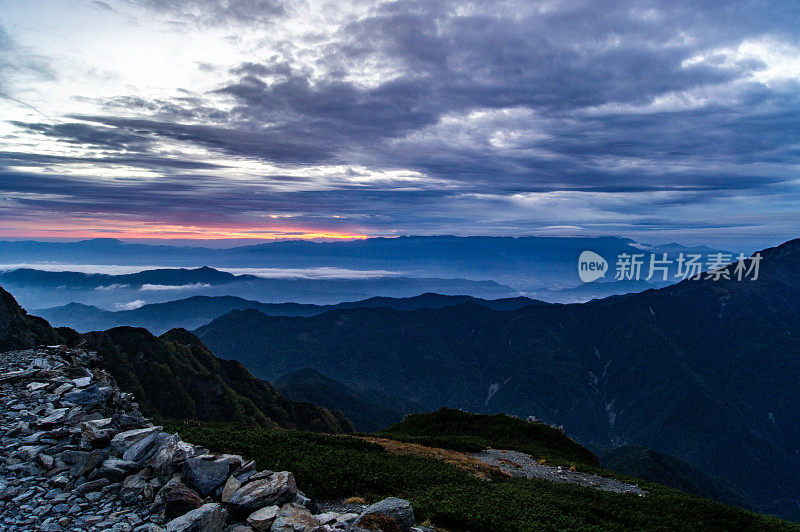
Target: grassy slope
(462,431)
(329,467)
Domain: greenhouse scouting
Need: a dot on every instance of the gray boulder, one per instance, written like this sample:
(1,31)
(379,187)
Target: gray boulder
(293,518)
(143,449)
(208,518)
(93,485)
(335,518)
(261,520)
(230,488)
(57,416)
(92,462)
(116,469)
(205,475)
(168,454)
(72,457)
(279,488)
(399,510)
(124,440)
(99,431)
(92,395)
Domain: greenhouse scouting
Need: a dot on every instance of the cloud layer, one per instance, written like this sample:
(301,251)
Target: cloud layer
(639,118)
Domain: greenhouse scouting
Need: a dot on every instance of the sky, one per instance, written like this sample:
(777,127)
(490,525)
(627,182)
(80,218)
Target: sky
(265,119)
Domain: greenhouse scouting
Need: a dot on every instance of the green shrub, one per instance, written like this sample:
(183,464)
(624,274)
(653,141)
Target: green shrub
(332,467)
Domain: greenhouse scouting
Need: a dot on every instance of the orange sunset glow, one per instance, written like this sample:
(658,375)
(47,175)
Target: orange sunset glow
(136,230)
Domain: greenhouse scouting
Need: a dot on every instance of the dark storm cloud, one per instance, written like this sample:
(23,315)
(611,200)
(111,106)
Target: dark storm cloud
(186,200)
(139,160)
(491,98)
(91,135)
(335,109)
(555,64)
(279,144)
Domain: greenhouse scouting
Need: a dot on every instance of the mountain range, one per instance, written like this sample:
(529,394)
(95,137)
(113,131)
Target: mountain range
(527,264)
(192,312)
(175,376)
(705,370)
(38,288)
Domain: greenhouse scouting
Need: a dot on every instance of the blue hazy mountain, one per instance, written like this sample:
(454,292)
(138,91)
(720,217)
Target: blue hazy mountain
(40,289)
(595,290)
(524,263)
(192,312)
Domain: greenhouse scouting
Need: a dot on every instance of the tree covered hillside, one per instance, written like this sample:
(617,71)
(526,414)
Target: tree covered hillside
(176,376)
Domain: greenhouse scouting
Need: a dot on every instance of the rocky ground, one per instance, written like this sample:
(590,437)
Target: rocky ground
(522,465)
(76,455)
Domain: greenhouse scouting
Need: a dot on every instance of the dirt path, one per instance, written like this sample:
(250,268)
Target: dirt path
(522,465)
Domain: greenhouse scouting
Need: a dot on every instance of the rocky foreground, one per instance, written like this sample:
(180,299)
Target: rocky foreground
(76,454)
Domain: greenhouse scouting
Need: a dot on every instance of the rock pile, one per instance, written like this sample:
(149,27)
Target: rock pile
(76,454)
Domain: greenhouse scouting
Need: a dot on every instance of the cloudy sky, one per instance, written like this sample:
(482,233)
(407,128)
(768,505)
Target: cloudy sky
(658,120)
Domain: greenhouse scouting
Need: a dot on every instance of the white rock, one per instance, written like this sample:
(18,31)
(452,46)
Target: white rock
(83,382)
(335,517)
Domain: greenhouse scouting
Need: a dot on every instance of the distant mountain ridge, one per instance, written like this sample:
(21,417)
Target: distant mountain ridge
(43,289)
(598,290)
(524,263)
(193,312)
(707,371)
(159,276)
